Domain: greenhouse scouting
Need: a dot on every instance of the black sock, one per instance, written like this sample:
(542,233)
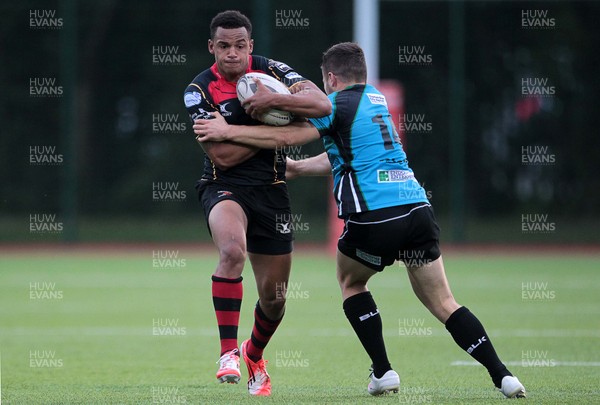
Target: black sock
(470,335)
(362,312)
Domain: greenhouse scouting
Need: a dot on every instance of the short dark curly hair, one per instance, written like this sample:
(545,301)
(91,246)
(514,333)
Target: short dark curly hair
(347,61)
(230,19)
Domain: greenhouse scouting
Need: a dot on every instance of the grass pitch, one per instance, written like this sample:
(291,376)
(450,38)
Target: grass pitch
(128,328)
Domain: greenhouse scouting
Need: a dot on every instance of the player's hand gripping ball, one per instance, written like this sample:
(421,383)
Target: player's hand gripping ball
(246,87)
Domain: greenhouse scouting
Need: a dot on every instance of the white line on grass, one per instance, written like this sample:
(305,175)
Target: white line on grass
(520,363)
(313,332)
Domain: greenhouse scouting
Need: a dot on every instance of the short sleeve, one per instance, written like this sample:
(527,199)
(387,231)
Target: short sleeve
(324,124)
(196,103)
(284,73)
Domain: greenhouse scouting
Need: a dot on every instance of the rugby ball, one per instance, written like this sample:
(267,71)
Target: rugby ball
(246,87)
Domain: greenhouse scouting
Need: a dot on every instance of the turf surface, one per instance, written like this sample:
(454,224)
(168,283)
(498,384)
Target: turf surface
(121,328)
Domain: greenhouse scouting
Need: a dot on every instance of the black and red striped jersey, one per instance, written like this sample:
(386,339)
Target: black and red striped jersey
(210,91)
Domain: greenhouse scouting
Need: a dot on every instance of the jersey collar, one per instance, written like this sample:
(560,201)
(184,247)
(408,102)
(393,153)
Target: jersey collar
(215,70)
(354,85)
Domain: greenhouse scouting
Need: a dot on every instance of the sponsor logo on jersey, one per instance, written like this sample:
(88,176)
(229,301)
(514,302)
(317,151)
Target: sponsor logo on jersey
(292,76)
(369,258)
(224,111)
(279,65)
(394,176)
(377,99)
(192,98)
(202,114)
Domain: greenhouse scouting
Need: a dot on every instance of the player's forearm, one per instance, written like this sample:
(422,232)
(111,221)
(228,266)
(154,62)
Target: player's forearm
(258,136)
(306,100)
(269,137)
(315,166)
(226,155)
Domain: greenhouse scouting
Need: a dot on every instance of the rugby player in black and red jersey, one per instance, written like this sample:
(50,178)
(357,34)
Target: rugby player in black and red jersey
(243,192)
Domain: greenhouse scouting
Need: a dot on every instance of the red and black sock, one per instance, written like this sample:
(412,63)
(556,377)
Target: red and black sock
(261,333)
(470,335)
(227,299)
(362,312)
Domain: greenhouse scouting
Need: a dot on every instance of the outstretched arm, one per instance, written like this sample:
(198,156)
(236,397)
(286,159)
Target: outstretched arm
(260,136)
(314,166)
(306,100)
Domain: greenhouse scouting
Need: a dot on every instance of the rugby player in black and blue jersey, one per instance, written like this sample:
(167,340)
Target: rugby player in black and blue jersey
(243,190)
(386,212)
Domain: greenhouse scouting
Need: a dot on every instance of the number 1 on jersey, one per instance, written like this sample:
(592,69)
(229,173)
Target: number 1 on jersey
(388,143)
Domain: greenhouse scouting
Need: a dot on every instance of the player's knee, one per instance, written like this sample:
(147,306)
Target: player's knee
(442,309)
(232,256)
(348,281)
(274,305)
